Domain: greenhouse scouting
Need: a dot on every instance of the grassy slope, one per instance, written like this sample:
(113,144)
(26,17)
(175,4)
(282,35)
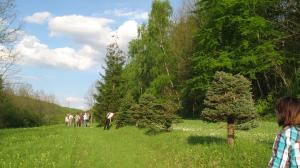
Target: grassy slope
(191,144)
(53,113)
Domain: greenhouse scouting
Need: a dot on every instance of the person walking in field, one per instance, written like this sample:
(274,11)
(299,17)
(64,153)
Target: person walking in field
(67,120)
(109,117)
(77,120)
(85,119)
(286,148)
(71,117)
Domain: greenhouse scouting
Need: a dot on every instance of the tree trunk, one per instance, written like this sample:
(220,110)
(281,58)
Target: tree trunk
(92,113)
(168,73)
(193,110)
(281,74)
(268,82)
(230,131)
(260,90)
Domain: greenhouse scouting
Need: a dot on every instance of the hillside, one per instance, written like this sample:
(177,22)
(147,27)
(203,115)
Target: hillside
(191,144)
(50,113)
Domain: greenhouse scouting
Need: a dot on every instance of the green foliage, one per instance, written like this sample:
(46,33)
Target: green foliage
(153,114)
(28,112)
(109,88)
(247,125)
(21,111)
(176,60)
(229,97)
(124,116)
(45,113)
(265,107)
(294,87)
(149,113)
(150,75)
(236,37)
(151,57)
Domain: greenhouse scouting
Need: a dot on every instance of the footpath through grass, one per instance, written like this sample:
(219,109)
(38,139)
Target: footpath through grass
(191,144)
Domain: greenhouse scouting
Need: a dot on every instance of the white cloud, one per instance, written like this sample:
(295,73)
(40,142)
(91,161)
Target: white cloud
(91,33)
(136,14)
(75,102)
(38,18)
(35,52)
(83,30)
(126,32)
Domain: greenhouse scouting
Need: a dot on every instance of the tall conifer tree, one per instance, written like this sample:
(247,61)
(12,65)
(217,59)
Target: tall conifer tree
(109,92)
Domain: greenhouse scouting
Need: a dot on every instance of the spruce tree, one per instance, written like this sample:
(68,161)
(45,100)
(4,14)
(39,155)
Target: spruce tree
(150,112)
(229,99)
(109,92)
(153,114)
(125,116)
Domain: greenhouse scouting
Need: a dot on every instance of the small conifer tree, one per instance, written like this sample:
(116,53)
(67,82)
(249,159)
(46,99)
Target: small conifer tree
(150,113)
(229,99)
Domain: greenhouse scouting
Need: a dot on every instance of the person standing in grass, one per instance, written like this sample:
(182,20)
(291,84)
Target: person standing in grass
(67,119)
(109,116)
(85,119)
(286,148)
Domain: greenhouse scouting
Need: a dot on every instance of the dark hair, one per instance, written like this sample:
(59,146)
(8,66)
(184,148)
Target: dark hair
(287,109)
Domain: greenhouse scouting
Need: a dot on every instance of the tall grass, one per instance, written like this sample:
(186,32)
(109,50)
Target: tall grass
(191,144)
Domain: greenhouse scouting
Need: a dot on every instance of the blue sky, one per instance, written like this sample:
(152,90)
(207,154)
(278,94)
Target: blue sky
(62,44)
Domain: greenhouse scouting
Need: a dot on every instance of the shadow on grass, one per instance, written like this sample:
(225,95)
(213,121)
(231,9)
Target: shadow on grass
(268,143)
(154,132)
(195,140)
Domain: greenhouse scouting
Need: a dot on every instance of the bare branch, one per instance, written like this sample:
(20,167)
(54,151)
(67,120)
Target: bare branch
(8,35)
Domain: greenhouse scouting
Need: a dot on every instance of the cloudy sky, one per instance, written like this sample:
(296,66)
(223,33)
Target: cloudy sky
(62,44)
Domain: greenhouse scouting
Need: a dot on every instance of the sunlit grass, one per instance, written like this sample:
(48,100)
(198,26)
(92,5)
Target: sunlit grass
(191,144)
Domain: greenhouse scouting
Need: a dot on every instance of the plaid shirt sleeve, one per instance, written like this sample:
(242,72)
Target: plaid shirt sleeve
(281,156)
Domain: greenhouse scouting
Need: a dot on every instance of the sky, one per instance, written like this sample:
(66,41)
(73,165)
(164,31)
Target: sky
(62,43)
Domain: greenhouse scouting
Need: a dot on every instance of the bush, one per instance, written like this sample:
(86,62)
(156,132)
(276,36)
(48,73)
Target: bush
(265,107)
(150,112)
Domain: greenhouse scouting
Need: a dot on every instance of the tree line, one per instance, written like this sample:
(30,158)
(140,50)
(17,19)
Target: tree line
(172,63)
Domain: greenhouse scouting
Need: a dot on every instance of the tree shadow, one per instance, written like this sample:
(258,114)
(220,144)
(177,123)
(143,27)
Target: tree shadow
(268,143)
(195,140)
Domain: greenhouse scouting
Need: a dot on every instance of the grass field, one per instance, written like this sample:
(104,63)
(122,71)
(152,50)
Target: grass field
(191,144)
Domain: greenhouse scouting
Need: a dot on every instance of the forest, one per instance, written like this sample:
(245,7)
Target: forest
(170,68)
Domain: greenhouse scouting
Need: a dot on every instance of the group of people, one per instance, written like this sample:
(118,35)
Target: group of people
(80,119)
(83,119)
(286,148)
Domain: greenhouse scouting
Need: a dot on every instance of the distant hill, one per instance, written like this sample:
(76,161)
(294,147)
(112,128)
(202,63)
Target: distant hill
(47,113)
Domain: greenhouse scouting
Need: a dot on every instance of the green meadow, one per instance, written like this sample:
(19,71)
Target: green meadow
(192,143)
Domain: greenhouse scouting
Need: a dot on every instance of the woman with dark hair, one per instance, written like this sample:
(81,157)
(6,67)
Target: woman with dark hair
(286,148)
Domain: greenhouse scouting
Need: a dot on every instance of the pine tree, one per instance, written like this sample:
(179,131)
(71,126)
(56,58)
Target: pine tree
(150,113)
(109,92)
(229,99)
(125,116)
